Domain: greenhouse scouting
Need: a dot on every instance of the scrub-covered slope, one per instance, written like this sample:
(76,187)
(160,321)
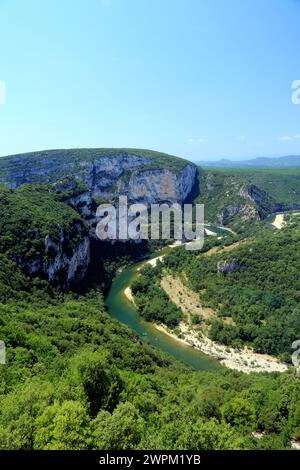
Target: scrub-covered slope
(239,198)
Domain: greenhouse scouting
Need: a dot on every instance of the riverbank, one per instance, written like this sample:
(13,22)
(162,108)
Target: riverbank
(282,219)
(129,295)
(279,221)
(244,360)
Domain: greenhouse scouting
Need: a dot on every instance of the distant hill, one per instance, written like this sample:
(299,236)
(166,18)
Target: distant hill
(290,161)
(240,196)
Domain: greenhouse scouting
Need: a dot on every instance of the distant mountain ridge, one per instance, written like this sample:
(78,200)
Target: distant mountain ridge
(289,161)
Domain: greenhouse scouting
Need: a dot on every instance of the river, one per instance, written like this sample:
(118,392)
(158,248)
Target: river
(121,309)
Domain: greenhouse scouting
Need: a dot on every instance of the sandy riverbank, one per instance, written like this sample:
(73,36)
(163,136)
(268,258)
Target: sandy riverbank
(244,360)
(279,221)
(210,232)
(295,444)
(129,295)
(152,262)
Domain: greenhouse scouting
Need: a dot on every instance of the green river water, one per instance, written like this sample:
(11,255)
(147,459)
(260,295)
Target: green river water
(121,309)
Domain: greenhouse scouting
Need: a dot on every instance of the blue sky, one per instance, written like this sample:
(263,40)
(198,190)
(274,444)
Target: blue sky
(200,79)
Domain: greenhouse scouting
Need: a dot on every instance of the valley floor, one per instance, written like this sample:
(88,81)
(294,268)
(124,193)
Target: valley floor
(243,360)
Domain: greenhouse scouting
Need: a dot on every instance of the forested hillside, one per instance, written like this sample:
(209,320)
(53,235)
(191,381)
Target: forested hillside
(255,283)
(75,379)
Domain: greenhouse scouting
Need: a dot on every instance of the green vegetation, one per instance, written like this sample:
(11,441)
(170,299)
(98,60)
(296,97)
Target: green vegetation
(152,302)
(225,202)
(28,214)
(283,185)
(75,379)
(261,294)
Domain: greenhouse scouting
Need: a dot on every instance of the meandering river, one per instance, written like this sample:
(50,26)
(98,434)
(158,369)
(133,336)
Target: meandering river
(120,308)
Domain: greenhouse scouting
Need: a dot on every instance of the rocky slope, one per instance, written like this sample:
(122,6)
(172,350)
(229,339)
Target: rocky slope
(239,198)
(44,236)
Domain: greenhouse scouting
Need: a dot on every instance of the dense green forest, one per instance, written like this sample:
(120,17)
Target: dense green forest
(283,185)
(75,379)
(260,293)
(152,302)
(28,214)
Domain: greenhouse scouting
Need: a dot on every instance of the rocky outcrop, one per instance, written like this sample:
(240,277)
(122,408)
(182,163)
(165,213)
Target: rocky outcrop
(107,178)
(147,186)
(255,194)
(83,179)
(258,206)
(209,183)
(85,205)
(161,185)
(229,266)
(281,207)
(244,211)
(264,203)
(65,260)
(66,267)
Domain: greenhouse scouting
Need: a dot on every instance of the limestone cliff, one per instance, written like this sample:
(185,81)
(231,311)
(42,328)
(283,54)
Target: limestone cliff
(73,183)
(67,267)
(142,176)
(63,260)
(241,199)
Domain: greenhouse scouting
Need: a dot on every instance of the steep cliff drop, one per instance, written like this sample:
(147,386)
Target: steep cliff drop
(82,179)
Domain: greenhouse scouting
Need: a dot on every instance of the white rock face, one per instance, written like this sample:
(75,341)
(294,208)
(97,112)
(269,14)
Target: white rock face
(65,261)
(245,211)
(63,267)
(126,176)
(66,266)
(141,179)
(156,186)
(147,187)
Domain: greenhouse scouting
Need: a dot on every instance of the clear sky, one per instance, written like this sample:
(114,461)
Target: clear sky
(202,79)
